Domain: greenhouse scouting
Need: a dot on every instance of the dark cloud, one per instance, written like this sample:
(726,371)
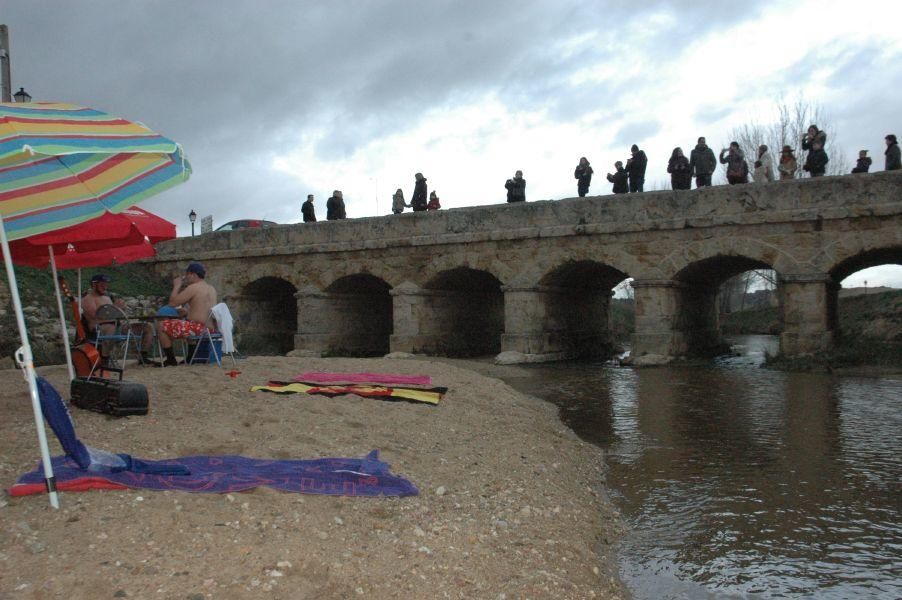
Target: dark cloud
(239,82)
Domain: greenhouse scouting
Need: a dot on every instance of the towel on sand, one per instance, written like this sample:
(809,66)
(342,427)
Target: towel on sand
(429,396)
(86,468)
(367,476)
(374,378)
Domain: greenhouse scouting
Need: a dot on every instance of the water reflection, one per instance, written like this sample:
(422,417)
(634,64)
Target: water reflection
(740,481)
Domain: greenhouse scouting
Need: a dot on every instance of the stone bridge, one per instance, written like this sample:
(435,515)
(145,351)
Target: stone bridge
(536,278)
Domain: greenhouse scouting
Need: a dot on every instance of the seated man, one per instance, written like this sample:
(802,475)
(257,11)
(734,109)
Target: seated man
(199,296)
(97,297)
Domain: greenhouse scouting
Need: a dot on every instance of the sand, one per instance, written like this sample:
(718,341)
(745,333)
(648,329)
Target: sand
(511,504)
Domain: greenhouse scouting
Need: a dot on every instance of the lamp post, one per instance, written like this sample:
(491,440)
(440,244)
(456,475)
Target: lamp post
(192,216)
(22,96)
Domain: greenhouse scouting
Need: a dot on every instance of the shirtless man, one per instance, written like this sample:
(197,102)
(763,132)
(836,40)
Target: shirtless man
(199,296)
(91,303)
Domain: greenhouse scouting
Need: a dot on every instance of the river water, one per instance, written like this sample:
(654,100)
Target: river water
(737,481)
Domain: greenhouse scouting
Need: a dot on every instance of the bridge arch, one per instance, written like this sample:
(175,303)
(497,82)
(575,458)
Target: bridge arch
(577,297)
(360,307)
(851,264)
(461,313)
(267,316)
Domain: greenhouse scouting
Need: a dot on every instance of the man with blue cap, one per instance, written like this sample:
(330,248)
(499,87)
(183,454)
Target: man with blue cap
(197,297)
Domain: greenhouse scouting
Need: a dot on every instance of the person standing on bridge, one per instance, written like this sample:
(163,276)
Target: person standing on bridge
(397,202)
(516,188)
(702,163)
(583,175)
(788,164)
(335,207)
(764,166)
(434,203)
(863,165)
(308,211)
(419,200)
(816,162)
(893,159)
(678,167)
(619,178)
(737,167)
(635,166)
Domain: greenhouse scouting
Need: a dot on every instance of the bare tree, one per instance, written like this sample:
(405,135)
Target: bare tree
(793,120)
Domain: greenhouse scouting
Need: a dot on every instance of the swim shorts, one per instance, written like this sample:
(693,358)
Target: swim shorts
(181,328)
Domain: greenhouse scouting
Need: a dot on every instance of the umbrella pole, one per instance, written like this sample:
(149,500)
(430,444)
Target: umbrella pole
(79,290)
(24,353)
(59,304)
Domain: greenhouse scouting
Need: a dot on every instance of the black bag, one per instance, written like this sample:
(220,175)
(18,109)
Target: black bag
(117,398)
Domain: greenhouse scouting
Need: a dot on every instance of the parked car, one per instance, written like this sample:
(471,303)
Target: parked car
(244,224)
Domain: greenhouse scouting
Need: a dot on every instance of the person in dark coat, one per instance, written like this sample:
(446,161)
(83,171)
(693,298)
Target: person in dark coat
(814,135)
(635,166)
(308,211)
(420,199)
(816,163)
(737,167)
(619,178)
(335,207)
(583,175)
(680,173)
(516,188)
(863,165)
(702,163)
(893,159)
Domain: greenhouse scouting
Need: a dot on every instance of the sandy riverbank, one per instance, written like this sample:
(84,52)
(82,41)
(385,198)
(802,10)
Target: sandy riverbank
(522,513)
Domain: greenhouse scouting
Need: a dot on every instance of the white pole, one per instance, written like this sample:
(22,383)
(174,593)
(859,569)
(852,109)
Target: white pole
(59,303)
(24,354)
(79,290)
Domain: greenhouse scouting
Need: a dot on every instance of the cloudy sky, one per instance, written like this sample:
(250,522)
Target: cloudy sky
(273,100)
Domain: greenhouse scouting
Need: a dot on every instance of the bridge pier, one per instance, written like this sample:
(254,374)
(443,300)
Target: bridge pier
(673,320)
(809,313)
(545,323)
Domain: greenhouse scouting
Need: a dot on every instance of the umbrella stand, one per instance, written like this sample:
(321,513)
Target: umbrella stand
(59,304)
(24,354)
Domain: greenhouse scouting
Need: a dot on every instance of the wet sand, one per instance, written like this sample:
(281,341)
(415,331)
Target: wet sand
(511,502)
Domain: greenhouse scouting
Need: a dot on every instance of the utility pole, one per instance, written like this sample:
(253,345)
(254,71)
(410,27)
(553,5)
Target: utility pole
(6,84)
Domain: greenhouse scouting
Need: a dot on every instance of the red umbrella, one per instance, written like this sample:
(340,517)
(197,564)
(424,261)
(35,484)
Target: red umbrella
(107,239)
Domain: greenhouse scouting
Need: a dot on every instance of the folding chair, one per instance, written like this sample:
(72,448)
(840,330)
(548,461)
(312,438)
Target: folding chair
(124,332)
(218,329)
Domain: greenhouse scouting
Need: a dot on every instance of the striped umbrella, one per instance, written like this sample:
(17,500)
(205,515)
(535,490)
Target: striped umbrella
(60,165)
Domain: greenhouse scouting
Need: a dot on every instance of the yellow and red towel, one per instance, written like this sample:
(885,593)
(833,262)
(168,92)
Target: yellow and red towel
(427,395)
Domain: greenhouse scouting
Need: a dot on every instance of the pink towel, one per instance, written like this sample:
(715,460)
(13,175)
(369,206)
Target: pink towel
(383,378)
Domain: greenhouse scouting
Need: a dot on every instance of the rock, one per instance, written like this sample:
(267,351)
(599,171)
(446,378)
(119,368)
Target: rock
(440,490)
(399,355)
(648,360)
(305,354)
(510,357)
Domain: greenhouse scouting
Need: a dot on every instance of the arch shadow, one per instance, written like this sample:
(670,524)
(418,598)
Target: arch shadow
(267,316)
(464,313)
(577,297)
(360,307)
(696,314)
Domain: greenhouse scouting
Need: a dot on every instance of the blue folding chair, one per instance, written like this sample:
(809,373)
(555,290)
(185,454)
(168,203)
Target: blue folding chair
(120,332)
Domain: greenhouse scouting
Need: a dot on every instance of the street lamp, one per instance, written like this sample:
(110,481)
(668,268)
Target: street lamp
(192,216)
(22,96)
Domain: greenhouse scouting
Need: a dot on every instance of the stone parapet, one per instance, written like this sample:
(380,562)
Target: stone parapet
(804,200)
